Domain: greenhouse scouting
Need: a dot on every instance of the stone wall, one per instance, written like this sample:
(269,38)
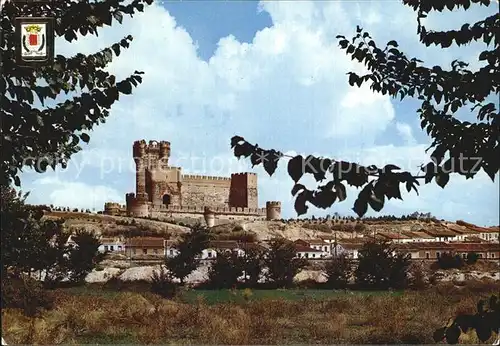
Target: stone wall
(205,192)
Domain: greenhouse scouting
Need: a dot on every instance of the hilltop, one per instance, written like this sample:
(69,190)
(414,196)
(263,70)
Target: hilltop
(107,225)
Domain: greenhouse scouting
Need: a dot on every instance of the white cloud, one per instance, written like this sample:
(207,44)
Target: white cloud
(60,193)
(286,89)
(406,133)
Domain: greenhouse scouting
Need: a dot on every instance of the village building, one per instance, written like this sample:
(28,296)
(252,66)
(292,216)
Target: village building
(317,244)
(418,236)
(111,245)
(303,251)
(141,246)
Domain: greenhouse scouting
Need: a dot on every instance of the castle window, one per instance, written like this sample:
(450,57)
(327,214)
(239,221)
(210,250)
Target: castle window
(166,199)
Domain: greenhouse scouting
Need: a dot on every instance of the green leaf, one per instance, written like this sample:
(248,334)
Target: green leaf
(85,137)
(442,179)
(124,87)
(341,191)
(118,16)
(296,168)
(360,206)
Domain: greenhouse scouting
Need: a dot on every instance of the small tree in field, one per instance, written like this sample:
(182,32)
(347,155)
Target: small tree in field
(282,262)
(225,270)
(84,256)
(380,268)
(189,249)
(338,271)
(252,265)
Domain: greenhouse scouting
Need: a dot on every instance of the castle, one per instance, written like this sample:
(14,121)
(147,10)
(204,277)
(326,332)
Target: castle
(163,191)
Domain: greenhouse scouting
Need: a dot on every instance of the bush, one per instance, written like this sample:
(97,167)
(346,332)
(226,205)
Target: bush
(449,261)
(163,284)
(338,271)
(472,258)
(26,294)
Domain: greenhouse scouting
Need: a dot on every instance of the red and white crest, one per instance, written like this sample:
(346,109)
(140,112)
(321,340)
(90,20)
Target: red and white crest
(33,40)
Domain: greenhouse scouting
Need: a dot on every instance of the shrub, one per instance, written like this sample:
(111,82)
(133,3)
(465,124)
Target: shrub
(225,270)
(163,284)
(450,261)
(472,258)
(338,271)
(26,294)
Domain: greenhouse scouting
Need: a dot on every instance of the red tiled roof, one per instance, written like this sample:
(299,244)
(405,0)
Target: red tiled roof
(351,246)
(417,235)
(440,232)
(146,242)
(390,235)
(302,248)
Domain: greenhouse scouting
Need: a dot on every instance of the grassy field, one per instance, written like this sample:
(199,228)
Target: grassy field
(93,315)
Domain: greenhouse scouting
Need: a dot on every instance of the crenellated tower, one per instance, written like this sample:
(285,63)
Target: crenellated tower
(273,210)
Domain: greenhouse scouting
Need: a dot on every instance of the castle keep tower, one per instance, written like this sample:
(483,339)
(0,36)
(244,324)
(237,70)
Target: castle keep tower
(273,210)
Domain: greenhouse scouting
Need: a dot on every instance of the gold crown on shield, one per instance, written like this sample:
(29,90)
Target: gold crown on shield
(33,29)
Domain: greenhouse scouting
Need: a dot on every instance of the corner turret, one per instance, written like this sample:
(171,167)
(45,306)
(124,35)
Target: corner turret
(273,210)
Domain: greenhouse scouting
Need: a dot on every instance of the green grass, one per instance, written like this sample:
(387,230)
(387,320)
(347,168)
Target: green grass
(238,296)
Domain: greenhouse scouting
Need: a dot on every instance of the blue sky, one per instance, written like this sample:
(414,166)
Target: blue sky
(271,72)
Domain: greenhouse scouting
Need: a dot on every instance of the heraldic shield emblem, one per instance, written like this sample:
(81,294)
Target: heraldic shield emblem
(35,40)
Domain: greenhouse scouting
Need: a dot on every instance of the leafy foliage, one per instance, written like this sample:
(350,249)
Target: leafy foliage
(225,270)
(282,263)
(84,256)
(25,293)
(485,322)
(252,265)
(32,244)
(189,249)
(450,261)
(42,137)
(163,284)
(379,267)
(338,271)
(458,146)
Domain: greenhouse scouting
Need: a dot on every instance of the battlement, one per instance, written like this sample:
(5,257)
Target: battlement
(204,178)
(244,174)
(216,210)
(273,204)
(113,205)
(160,148)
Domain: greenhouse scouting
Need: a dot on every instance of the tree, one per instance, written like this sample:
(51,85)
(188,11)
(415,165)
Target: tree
(485,322)
(39,137)
(84,256)
(282,262)
(459,147)
(379,267)
(225,270)
(252,265)
(31,244)
(338,271)
(27,241)
(449,261)
(188,249)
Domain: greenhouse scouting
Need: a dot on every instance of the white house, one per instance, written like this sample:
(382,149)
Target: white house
(309,253)
(316,244)
(350,250)
(111,245)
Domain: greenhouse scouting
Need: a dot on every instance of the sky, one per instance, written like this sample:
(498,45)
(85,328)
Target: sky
(271,72)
